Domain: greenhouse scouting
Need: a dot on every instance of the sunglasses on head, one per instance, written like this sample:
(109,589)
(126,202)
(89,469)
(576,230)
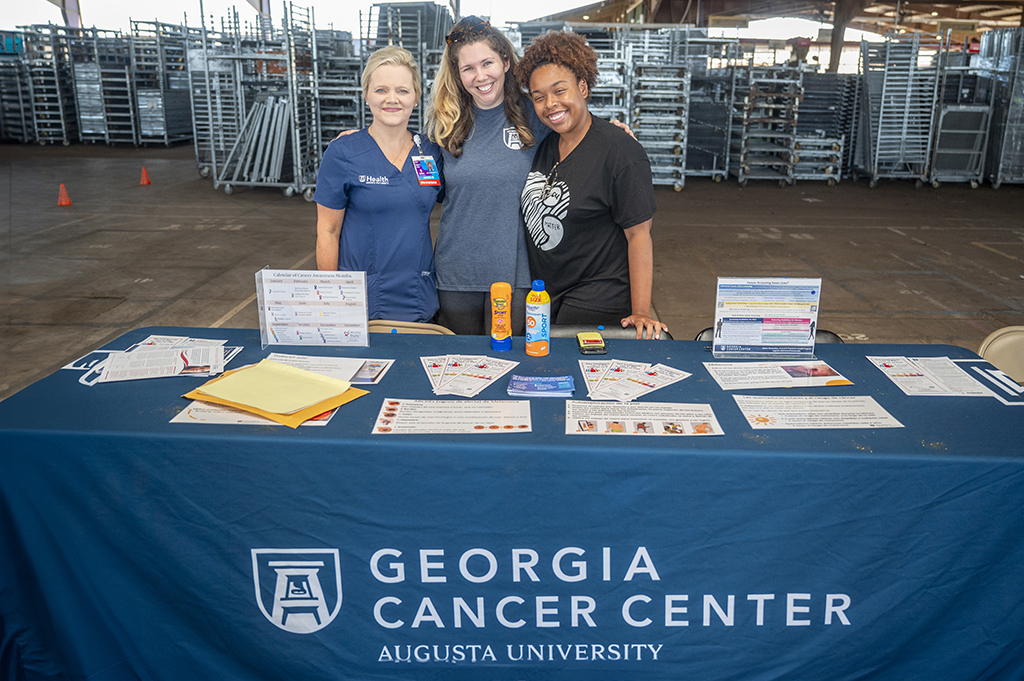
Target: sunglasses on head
(460,33)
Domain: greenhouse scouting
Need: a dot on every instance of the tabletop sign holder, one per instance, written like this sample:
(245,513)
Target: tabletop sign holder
(309,307)
(765,318)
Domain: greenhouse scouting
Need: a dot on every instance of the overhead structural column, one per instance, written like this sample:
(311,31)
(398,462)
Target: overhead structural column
(71,12)
(264,9)
(845,12)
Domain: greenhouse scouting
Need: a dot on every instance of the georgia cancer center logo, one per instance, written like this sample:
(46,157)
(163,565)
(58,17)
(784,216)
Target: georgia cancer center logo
(299,590)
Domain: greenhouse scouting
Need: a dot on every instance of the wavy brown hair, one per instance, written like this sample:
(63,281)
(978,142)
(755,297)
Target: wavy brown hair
(569,50)
(450,117)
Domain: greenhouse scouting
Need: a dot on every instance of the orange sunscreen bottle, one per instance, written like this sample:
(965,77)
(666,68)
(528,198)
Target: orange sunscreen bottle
(501,316)
(538,320)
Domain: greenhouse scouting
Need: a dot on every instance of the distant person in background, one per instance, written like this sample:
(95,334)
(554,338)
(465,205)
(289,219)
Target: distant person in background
(375,191)
(588,202)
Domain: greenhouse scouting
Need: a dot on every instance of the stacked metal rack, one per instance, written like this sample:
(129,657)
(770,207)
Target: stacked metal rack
(611,95)
(900,87)
(341,96)
(661,109)
(160,78)
(823,128)
(1001,64)
(419,27)
(764,123)
(15,91)
(51,82)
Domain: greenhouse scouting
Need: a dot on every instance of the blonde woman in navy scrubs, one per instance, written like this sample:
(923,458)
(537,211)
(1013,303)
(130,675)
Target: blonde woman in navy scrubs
(374,193)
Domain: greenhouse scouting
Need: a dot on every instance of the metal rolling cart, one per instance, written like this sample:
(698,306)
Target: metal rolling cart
(260,154)
(901,82)
(160,74)
(51,83)
(15,93)
(104,95)
(764,123)
(710,62)
(217,100)
(961,132)
(303,82)
(1001,61)
(661,109)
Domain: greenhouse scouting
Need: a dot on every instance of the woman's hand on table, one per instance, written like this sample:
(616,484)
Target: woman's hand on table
(645,326)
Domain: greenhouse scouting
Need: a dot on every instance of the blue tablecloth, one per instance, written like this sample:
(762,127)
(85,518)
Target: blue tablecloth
(131,548)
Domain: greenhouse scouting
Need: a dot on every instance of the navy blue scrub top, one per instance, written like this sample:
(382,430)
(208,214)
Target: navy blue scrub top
(386,231)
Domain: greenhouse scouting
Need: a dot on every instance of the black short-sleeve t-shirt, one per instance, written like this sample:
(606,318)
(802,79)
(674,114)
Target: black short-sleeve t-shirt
(576,212)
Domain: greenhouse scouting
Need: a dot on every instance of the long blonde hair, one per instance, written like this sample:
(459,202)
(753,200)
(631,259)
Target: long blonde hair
(450,117)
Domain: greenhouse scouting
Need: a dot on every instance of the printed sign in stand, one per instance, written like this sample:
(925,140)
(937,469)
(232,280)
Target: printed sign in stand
(308,307)
(766,318)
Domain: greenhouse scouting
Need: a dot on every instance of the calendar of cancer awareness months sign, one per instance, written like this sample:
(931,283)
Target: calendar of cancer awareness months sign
(769,318)
(308,307)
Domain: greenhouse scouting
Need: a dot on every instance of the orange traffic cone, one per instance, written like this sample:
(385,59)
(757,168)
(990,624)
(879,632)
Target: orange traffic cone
(62,198)
(145,177)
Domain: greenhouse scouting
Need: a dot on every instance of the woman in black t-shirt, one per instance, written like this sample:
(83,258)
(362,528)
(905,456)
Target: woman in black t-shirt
(589,198)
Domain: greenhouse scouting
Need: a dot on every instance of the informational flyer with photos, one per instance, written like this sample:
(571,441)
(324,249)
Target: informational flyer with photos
(403,417)
(766,318)
(642,418)
(309,307)
(803,413)
(796,374)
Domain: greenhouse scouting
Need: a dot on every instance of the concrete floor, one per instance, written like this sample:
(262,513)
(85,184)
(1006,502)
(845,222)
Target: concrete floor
(899,264)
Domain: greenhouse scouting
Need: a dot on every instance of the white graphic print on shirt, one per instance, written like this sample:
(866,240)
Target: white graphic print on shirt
(544,216)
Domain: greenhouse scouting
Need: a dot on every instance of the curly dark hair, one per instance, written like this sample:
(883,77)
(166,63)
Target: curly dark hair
(569,50)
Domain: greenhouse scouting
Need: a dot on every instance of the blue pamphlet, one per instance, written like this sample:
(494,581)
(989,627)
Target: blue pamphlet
(541,386)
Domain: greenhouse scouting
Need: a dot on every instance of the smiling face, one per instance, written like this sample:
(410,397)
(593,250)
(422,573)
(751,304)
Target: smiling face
(391,95)
(559,98)
(482,72)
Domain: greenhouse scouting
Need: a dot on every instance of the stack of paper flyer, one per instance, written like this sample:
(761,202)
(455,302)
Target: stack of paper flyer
(541,386)
(625,381)
(158,357)
(464,375)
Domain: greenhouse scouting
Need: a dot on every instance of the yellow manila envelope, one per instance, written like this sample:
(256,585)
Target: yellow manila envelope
(290,420)
(274,387)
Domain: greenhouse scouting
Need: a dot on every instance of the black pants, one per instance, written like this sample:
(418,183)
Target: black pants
(468,313)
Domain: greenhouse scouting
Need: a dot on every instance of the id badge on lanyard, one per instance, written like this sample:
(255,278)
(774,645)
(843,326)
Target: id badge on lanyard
(425,166)
(426,171)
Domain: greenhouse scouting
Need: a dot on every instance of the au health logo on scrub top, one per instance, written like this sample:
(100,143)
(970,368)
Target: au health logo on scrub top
(299,590)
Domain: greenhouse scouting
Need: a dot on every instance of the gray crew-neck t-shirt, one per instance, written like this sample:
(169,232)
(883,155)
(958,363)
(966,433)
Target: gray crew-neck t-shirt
(481,238)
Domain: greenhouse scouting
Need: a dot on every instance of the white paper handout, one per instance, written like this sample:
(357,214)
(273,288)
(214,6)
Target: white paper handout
(310,307)
(341,368)
(647,418)
(398,417)
(814,412)
(217,414)
(160,362)
(637,382)
(474,376)
(771,317)
(930,376)
(799,373)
